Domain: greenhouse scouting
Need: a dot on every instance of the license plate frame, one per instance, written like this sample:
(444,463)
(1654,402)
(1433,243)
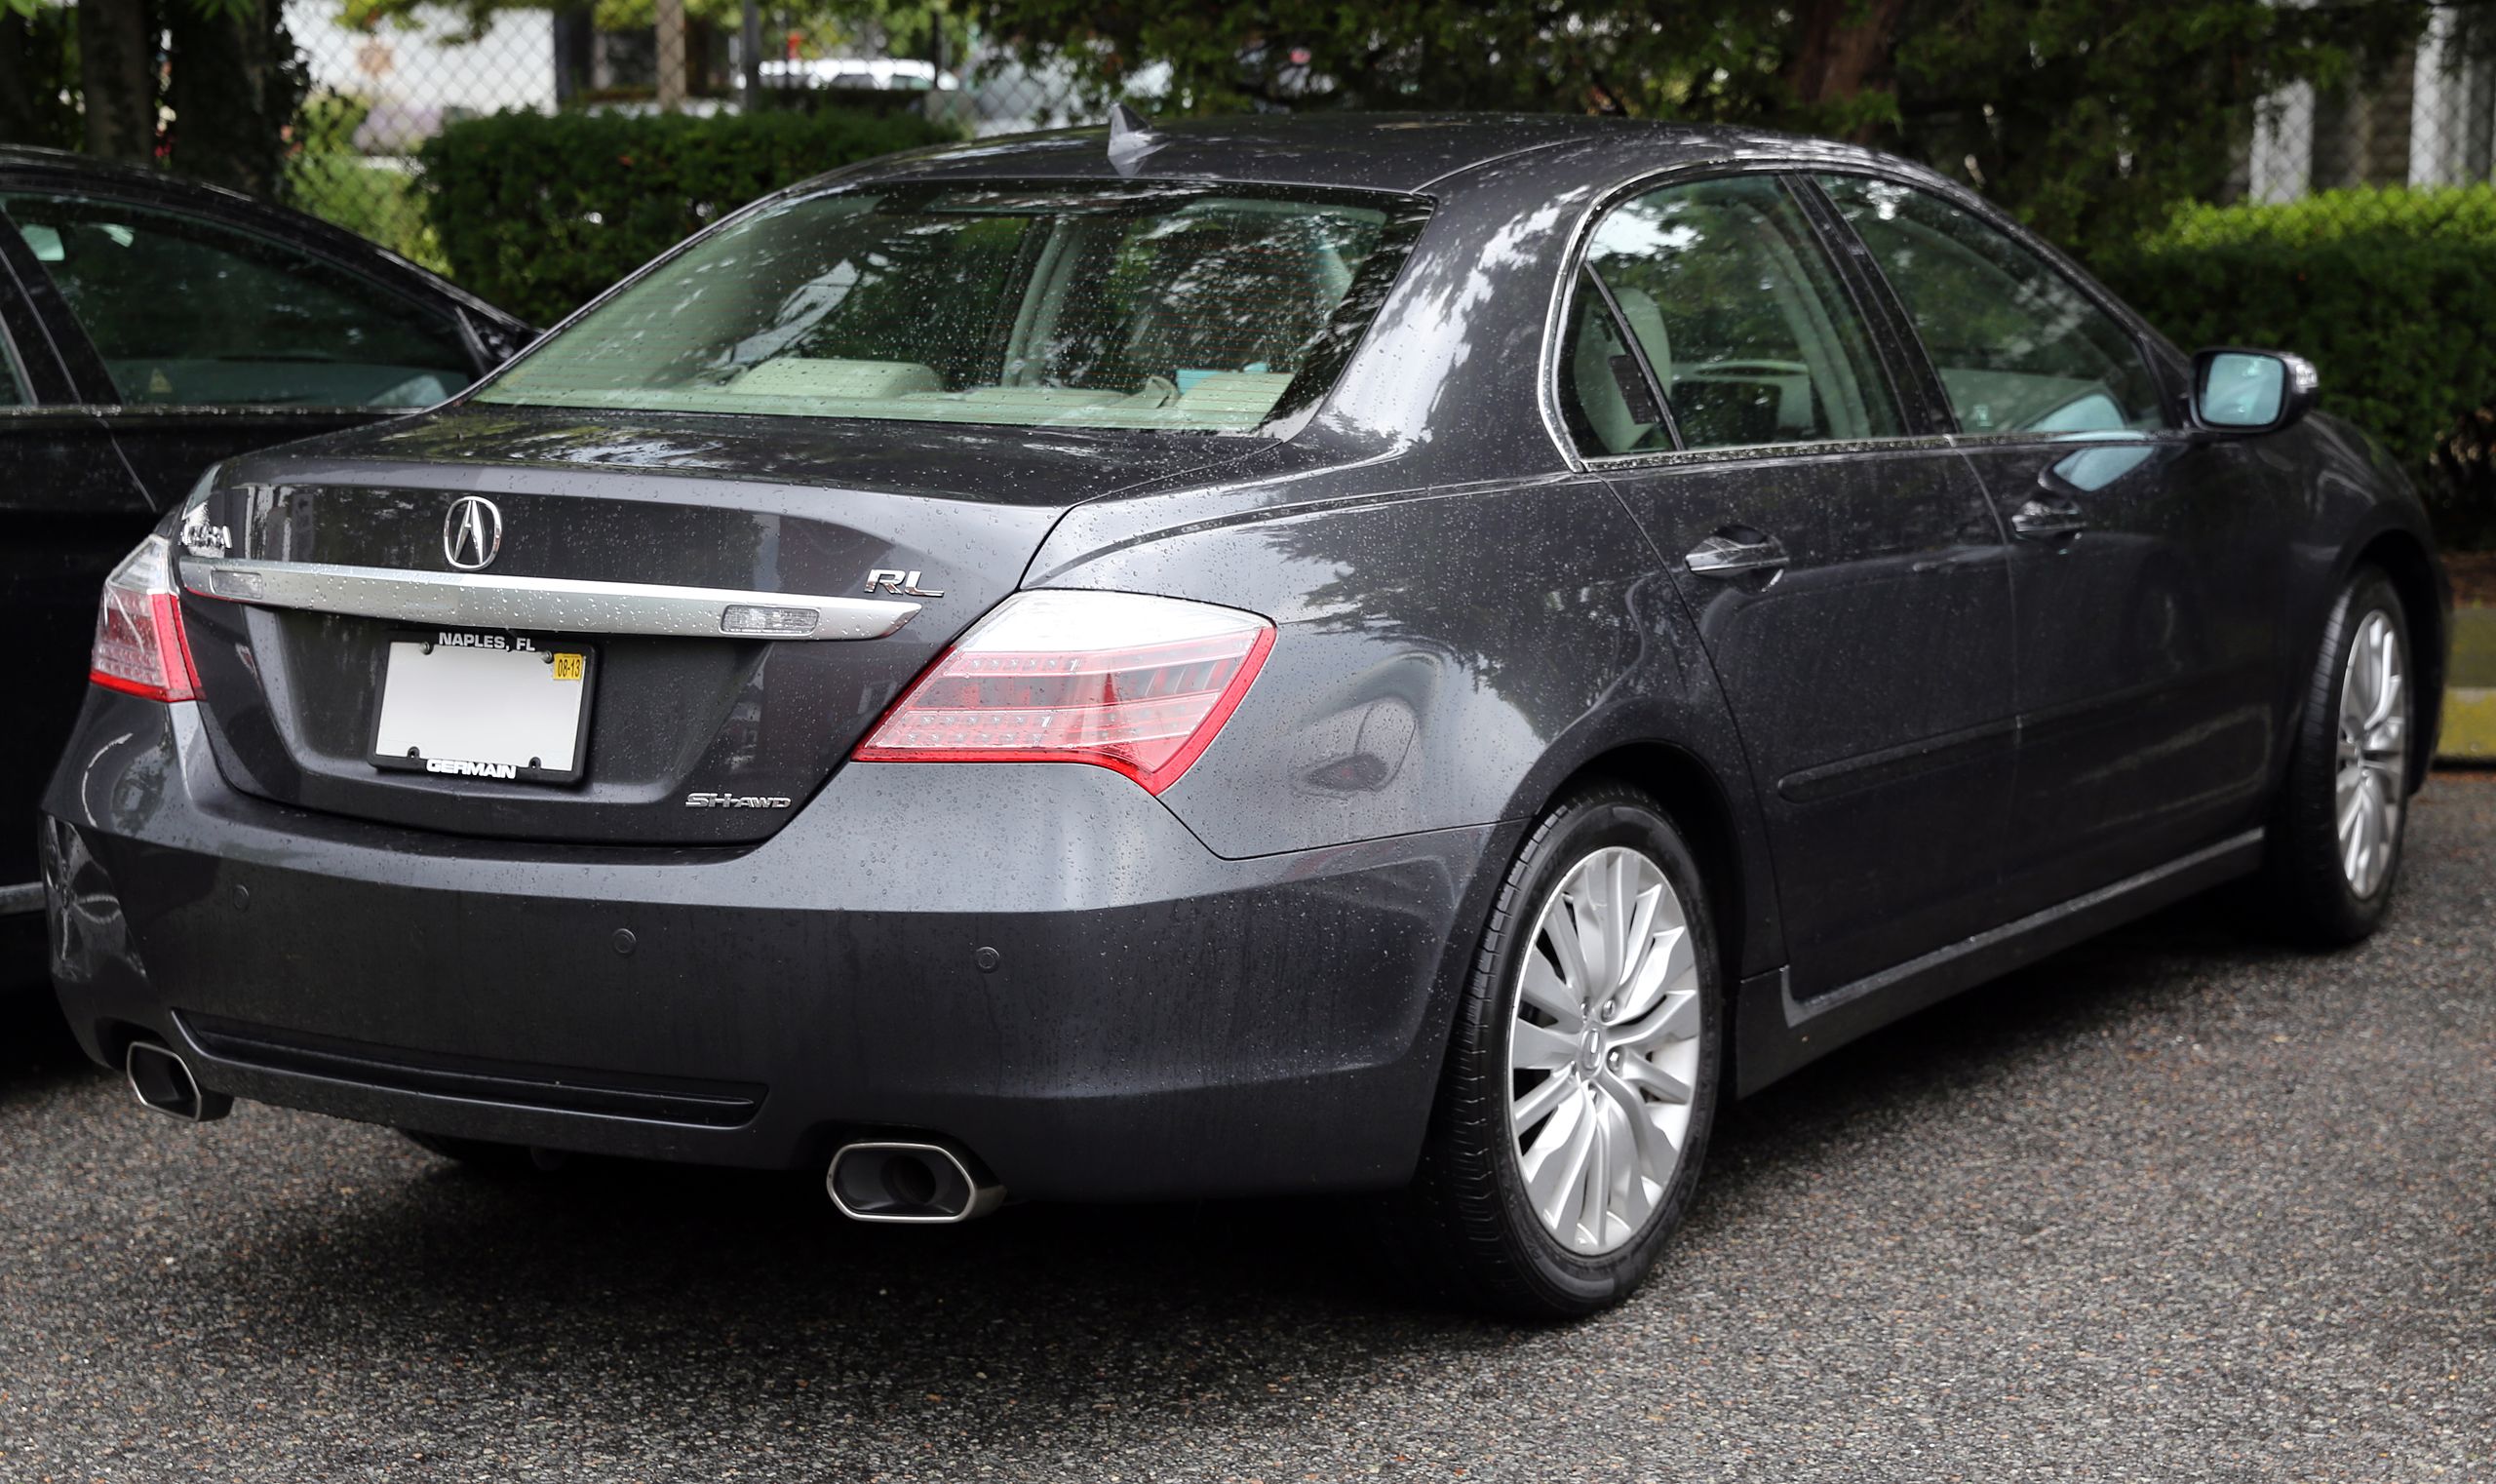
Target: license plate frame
(475,650)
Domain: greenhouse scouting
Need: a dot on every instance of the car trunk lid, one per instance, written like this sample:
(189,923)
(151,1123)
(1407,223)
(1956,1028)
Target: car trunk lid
(618,540)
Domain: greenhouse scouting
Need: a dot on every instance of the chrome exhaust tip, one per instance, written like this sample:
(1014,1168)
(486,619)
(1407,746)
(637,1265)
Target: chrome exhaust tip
(163,1083)
(904,1181)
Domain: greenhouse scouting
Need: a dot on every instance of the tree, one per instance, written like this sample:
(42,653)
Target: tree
(2093,118)
(117,77)
(2089,117)
(235,81)
(225,71)
(38,68)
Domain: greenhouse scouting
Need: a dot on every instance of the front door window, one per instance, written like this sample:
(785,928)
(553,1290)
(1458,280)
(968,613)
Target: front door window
(2019,348)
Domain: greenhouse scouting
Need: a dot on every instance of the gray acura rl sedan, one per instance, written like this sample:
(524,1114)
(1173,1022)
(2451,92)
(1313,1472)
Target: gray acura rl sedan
(1366,654)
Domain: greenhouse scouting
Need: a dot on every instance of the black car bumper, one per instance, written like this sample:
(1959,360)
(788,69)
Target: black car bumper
(1038,962)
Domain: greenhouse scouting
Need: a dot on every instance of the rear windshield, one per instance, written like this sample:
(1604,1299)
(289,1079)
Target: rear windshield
(1134,307)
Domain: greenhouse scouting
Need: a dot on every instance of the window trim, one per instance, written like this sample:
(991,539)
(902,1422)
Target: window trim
(2157,356)
(1561,320)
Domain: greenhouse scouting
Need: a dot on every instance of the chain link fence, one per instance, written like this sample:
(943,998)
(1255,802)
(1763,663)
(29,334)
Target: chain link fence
(378,90)
(2430,122)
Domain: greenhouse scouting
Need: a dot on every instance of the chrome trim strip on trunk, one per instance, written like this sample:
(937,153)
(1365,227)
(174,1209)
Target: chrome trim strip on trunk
(22,898)
(561,605)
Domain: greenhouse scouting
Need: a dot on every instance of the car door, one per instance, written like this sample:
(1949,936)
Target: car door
(2149,565)
(202,331)
(1844,567)
(69,509)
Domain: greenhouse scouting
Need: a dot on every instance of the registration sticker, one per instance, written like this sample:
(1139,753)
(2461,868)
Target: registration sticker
(570,667)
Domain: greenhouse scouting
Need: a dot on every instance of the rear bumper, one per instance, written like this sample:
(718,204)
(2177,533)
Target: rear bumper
(1038,962)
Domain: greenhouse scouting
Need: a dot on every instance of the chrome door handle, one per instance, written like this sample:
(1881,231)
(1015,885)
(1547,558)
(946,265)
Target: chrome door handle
(2044,518)
(1724,556)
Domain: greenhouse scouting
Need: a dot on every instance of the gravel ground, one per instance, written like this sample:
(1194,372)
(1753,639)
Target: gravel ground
(2177,1205)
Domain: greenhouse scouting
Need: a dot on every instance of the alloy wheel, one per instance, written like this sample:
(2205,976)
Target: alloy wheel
(2372,758)
(1603,1050)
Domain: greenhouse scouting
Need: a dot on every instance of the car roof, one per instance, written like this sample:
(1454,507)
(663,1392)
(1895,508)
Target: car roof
(1404,152)
(32,157)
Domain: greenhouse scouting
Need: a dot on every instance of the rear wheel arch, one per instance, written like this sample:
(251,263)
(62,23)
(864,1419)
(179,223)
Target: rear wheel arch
(1700,808)
(1694,800)
(1698,805)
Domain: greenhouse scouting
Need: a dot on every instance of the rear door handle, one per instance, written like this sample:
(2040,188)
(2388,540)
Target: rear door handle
(1725,555)
(2047,517)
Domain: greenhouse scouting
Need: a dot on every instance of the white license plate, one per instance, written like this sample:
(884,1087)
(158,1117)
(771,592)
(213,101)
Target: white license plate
(467,704)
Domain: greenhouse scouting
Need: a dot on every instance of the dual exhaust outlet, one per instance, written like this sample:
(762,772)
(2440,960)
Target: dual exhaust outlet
(886,1180)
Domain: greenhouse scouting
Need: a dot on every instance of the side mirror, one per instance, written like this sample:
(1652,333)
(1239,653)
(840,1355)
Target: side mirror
(2251,391)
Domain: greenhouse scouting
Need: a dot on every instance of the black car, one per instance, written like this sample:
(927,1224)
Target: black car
(149,328)
(1557,620)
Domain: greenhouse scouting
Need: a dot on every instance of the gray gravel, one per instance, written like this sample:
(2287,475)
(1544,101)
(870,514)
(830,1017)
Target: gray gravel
(2177,1205)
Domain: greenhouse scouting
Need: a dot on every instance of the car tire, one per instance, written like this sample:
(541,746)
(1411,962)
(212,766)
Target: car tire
(2321,884)
(1477,1225)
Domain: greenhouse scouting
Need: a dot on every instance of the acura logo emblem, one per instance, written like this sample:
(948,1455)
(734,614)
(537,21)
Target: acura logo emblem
(472,532)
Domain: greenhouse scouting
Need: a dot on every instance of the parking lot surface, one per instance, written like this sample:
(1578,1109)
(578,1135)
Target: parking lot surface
(2181,1204)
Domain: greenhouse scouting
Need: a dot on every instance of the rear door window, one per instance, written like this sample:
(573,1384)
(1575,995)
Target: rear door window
(2019,346)
(193,312)
(1741,317)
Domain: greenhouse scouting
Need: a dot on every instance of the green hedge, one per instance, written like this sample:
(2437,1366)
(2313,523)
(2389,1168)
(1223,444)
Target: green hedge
(536,213)
(2391,294)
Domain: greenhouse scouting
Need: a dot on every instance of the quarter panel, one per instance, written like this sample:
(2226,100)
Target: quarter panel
(1431,646)
(1443,657)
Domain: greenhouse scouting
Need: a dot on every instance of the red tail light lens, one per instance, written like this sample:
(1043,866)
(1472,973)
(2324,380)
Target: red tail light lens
(139,645)
(1134,684)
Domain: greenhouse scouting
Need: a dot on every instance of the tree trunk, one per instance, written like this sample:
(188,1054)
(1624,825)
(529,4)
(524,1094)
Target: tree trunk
(1843,48)
(237,82)
(575,51)
(117,77)
(20,81)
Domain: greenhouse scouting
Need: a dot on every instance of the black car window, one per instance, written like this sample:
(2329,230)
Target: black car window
(2019,348)
(193,312)
(11,394)
(1741,316)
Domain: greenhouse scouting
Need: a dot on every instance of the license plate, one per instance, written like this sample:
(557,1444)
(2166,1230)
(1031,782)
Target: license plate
(466,703)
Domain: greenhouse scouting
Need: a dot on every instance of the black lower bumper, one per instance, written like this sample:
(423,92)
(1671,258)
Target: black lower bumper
(1037,961)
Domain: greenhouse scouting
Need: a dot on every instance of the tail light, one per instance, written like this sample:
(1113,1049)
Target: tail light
(1134,684)
(139,645)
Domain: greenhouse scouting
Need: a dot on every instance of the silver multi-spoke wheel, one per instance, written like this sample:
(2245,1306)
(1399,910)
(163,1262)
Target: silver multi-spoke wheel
(1603,1050)
(2373,755)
